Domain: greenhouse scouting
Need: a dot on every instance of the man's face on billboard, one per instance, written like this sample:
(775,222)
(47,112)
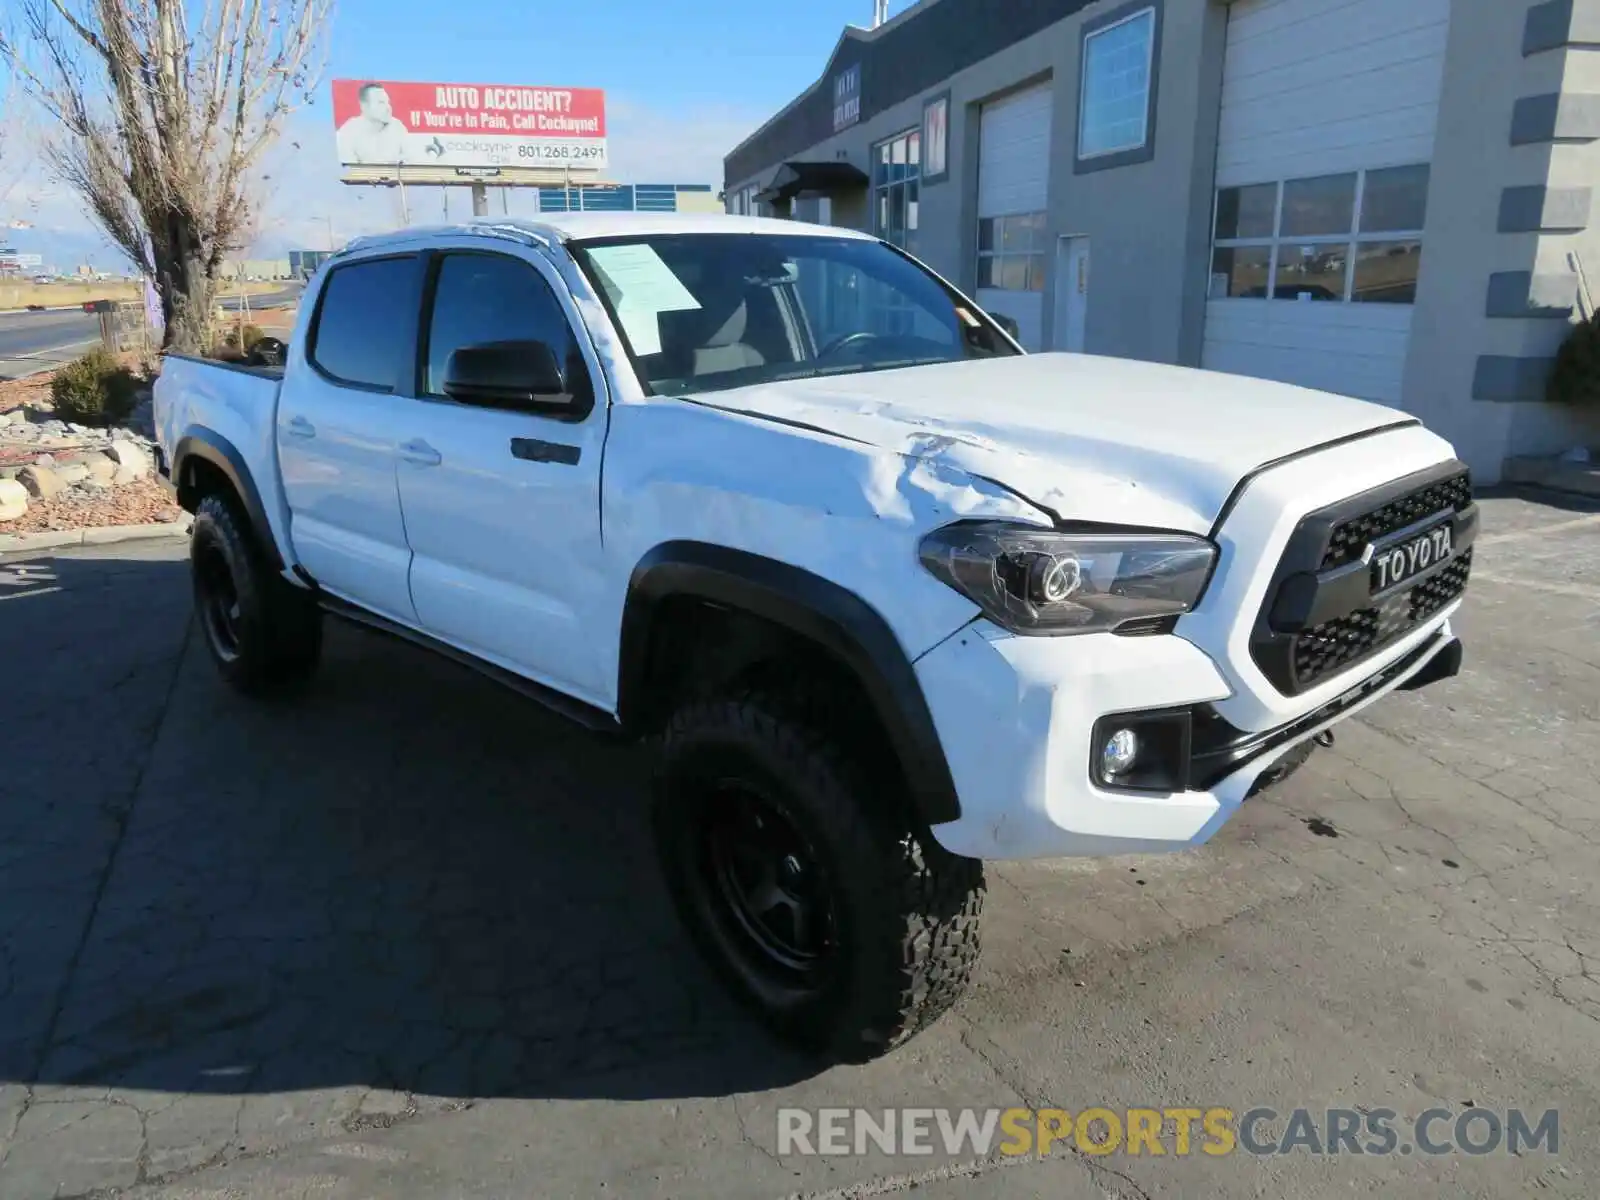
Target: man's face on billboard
(375,105)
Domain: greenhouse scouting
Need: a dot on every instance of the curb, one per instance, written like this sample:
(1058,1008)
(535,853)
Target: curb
(102,535)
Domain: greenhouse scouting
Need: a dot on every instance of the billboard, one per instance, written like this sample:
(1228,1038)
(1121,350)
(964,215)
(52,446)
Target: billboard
(468,126)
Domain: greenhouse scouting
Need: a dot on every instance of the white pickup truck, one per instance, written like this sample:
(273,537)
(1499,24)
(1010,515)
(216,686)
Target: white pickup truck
(890,596)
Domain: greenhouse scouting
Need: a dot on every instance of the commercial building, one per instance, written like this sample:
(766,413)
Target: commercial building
(631,197)
(1391,199)
(303,264)
(256,268)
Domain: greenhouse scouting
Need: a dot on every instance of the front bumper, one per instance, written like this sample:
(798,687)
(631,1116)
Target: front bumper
(1288,639)
(1017,717)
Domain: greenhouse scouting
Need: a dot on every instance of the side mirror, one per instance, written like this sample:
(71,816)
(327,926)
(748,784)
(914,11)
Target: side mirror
(1009,324)
(521,374)
(268,352)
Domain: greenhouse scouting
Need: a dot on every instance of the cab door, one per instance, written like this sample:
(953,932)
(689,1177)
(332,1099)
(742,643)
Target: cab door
(501,504)
(336,432)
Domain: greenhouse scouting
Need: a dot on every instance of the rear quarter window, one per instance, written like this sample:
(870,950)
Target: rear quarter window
(365,321)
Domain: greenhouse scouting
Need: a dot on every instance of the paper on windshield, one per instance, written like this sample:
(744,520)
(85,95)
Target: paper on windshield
(642,328)
(645,287)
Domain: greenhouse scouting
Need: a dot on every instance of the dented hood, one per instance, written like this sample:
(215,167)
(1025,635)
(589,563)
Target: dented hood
(1087,438)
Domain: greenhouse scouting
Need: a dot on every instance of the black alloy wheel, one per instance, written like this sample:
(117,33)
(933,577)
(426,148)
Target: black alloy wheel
(217,598)
(763,882)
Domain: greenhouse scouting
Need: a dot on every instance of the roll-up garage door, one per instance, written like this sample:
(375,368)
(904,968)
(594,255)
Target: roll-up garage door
(1013,192)
(1328,115)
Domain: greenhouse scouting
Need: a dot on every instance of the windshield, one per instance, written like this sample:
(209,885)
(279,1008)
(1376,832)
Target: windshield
(704,312)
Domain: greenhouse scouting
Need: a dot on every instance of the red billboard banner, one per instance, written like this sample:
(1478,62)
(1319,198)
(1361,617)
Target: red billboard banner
(385,123)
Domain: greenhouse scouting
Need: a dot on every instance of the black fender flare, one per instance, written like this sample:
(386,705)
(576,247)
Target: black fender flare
(814,608)
(207,445)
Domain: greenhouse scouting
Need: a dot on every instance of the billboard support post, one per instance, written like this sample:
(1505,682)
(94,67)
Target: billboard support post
(480,200)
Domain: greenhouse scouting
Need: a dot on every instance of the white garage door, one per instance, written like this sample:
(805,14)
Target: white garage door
(1013,190)
(1328,116)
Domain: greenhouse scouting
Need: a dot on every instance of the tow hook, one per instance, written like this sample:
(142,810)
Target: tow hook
(1324,739)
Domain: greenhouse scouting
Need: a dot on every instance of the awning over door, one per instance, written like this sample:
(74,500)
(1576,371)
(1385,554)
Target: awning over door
(797,178)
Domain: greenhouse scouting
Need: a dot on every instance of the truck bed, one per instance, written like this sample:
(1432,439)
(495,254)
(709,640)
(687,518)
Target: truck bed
(234,404)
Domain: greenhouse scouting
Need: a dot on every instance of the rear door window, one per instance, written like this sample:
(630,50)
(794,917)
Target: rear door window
(365,323)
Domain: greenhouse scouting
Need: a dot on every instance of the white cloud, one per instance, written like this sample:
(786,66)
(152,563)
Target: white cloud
(653,145)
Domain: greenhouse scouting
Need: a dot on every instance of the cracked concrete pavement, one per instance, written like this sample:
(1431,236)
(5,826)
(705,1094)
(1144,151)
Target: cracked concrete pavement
(405,937)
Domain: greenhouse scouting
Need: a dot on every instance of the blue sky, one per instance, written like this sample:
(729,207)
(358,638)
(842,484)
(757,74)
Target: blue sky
(684,81)
(686,54)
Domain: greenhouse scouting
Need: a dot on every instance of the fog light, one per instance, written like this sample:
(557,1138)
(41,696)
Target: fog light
(1119,752)
(1142,751)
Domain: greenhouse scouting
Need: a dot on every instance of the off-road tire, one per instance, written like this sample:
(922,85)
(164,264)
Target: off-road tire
(907,911)
(272,638)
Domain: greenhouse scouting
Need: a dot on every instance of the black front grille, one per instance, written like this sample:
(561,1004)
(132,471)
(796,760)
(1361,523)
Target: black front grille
(1343,641)
(1319,617)
(1351,538)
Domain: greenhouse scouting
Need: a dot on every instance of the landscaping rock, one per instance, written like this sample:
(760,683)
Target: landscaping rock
(13,500)
(72,473)
(132,460)
(41,482)
(101,469)
(45,460)
(5,419)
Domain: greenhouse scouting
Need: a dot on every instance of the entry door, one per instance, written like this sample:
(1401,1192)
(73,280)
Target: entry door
(1072,293)
(336,433)
(502,507)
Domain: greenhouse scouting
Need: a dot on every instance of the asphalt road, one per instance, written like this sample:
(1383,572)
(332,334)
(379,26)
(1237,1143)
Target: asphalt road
(282,296)
(33,341)
(405,937)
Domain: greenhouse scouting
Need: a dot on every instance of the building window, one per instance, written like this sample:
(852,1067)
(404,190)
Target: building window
(896,171)
(1351,238)
(1114,109)
(936,139)
(1011,253)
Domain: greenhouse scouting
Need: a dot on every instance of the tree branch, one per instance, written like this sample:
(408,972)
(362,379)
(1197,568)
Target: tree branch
(163,109)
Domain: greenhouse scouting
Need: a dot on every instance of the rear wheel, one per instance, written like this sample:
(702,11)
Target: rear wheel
(839,920)
(263,632)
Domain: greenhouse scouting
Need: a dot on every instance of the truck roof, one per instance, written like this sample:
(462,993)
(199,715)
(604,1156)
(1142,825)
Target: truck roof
(586,226)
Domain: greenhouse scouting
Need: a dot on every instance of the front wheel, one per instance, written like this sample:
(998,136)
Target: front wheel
(263,632)
(837,919)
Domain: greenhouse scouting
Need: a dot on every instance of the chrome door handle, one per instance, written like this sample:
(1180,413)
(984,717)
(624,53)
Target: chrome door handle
(300,427)
(419,454)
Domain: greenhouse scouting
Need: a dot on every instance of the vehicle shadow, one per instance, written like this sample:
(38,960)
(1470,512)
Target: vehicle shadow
(406,877)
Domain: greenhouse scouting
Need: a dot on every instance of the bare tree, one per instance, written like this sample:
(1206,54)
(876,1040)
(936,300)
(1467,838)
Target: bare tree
(162,110)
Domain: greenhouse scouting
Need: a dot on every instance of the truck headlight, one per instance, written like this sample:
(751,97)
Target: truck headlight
(1040,581)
